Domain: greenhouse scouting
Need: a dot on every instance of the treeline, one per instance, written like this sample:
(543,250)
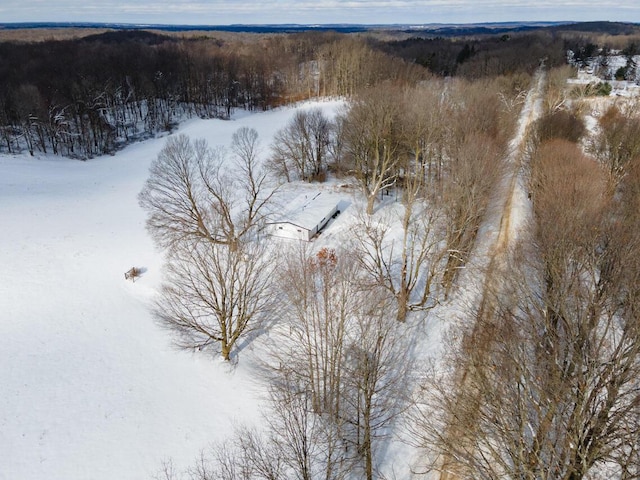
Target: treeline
(86,97)
(551,387)
(477,57)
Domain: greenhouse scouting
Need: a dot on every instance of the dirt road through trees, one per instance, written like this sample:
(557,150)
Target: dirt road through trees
(511,212)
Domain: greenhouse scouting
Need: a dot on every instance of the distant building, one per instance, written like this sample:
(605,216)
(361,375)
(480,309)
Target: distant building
(305,216)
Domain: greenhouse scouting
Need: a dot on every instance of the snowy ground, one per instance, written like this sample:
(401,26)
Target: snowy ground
(91,387)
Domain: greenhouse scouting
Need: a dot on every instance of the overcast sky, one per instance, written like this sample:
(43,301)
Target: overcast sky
(224,12)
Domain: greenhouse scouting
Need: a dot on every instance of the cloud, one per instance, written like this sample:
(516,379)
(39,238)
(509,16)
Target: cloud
(309,11)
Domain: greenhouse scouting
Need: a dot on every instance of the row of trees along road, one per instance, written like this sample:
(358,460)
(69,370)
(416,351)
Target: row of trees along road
(554,392)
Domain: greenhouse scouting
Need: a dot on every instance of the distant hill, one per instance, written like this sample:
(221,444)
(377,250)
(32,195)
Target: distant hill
(465,30)
(125,36)
(443,30)
(426,30)
(280,28)
(612,28)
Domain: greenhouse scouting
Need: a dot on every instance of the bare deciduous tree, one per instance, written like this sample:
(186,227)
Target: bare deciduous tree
(206,211)
(214,294)
(248,455)
(551,385)
(557,92)
(618,141)
(194,194)
(371,136)
(473,170)
(300,149)
(424,137)
(377,377)
(322,297)
(310,444)
(407,264)
(347,359)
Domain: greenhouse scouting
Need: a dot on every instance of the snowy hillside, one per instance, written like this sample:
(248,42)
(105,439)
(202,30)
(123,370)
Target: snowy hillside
(91,386)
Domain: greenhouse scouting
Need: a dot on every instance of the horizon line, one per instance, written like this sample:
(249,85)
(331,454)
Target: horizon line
(314,24)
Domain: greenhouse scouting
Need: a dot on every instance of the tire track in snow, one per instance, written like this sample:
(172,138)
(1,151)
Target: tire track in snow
(498,251)
(512,218)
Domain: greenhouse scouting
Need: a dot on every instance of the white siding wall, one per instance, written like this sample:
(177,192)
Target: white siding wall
(288,230)
(306,218)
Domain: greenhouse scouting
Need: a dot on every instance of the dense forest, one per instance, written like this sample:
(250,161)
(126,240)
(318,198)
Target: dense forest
(88,96)
(85,97)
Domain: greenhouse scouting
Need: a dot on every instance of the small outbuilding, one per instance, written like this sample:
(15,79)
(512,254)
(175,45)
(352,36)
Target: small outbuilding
(305,216)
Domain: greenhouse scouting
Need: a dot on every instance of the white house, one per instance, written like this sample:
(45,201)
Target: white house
(305,216)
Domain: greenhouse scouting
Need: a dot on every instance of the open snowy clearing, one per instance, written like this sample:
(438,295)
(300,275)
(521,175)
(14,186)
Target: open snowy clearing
(92,387)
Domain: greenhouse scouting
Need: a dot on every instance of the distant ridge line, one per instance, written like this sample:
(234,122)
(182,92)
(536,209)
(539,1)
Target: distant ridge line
(416,29)
(440,28)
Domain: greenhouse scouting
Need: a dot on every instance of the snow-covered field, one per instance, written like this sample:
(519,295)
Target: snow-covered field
(91,386)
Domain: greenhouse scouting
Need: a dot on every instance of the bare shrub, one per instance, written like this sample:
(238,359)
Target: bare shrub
(569,191)
(561,124)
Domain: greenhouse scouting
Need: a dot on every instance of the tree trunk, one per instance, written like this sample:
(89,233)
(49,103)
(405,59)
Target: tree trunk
(226,351)
(366,445)
(371,199)
(402,298)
